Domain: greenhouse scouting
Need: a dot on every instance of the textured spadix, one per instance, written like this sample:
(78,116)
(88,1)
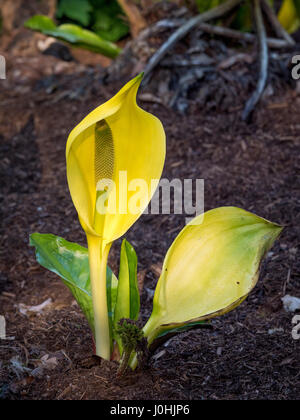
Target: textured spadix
(210,268)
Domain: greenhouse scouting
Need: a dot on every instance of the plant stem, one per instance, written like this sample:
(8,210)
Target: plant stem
(98,253)
(124,362)
(133,362)
(148,331)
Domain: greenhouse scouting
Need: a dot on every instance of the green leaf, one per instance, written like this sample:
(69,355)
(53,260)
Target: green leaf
(109,26)
(204,5)
(243,18)
(210,268)
(40,23)
(297,7)
(74,34)
(128,297)
(87,39)
(70,261)
(77,10)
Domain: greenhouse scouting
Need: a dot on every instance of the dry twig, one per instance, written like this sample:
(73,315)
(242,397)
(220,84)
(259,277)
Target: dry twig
(279,30)
(263,62)
(181,32)
(242,36)
(199,21)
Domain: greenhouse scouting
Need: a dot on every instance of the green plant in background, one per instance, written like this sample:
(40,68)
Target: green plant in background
(109,20)
(90,24)
(243,16)
(79,11)
(288,15)
(97,24)
(242,21)
(204,5)
(210,268)
(74,35)
(104,17)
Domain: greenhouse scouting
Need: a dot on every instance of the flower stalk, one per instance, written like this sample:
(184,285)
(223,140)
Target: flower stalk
(98,254)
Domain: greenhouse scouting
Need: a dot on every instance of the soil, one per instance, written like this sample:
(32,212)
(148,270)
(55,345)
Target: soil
(250,353)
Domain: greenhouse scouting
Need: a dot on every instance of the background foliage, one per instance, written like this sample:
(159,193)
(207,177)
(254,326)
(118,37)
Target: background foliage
(104,17)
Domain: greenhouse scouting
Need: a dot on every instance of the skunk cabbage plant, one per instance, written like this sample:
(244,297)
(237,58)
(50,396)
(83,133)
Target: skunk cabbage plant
(210,268)
(115,139)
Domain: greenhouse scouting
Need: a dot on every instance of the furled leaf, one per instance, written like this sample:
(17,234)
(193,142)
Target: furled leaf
(73,34)
(128,297)
(71,262)
(77,10)
(211,267)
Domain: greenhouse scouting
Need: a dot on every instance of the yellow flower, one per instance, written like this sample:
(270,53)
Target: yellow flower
(113,146)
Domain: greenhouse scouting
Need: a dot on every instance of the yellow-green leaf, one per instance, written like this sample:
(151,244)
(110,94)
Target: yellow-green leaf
(128,298)
(211,267)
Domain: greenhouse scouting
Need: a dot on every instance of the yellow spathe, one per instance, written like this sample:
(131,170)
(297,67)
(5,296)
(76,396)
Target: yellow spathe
(137,143)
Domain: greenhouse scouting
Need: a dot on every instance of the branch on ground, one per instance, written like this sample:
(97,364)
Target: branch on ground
(241,36)
(180,33)
(263,62)
(278,28)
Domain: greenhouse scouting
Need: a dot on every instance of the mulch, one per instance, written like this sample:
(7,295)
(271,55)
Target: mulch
(250,353)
